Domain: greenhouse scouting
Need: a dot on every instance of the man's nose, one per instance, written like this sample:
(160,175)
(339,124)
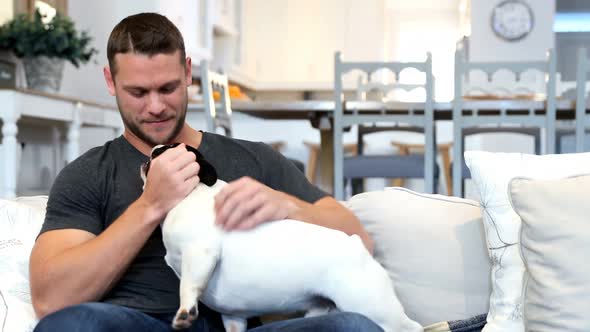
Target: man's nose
(155,103)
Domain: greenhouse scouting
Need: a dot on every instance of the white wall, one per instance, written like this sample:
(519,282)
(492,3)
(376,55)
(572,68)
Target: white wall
(99,18)
(486,46)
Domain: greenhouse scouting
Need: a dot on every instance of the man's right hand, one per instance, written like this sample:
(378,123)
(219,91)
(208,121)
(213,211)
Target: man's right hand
(171,177)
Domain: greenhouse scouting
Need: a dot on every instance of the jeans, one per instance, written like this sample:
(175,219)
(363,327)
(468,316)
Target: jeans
(104,317)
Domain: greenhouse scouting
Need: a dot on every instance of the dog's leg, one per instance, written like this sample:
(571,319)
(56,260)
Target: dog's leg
(372,295)
(319,310)
(234,324)
(197,265)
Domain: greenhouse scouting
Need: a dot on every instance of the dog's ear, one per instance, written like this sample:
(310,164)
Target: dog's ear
(159,149)
(207,173)
(156,151)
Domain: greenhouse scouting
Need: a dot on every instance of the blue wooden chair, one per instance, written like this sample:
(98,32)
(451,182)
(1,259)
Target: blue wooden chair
(582,118)
(380,115)
(216,118)
(522,111)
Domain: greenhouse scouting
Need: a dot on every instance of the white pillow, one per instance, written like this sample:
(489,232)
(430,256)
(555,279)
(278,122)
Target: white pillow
(433,248)
(492,173)
(555,242)
(20,222)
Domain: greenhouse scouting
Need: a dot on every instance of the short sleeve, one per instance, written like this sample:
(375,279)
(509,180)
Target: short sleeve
(281,174)
(75,200)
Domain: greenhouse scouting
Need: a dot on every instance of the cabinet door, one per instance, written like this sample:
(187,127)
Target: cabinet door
(193,19)
(291,43)
(224,16)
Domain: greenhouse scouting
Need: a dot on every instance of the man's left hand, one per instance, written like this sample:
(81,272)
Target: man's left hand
(246,203)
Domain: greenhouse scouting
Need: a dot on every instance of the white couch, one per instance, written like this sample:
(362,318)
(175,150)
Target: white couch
(432,246)
(436,248)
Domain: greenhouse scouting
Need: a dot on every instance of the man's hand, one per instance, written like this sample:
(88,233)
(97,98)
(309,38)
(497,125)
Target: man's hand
(172,176)
(246,203)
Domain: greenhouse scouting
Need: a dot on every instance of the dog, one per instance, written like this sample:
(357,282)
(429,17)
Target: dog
(278,267)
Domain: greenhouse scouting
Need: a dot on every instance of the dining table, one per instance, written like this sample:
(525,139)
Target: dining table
(64,115)
(319,114)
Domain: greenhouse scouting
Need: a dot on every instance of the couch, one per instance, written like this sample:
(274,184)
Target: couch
(442,253)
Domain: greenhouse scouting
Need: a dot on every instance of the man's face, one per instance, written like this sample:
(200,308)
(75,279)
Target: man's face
(151,95)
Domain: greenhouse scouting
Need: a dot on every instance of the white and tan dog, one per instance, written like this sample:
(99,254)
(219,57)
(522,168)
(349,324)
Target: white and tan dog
(278,267)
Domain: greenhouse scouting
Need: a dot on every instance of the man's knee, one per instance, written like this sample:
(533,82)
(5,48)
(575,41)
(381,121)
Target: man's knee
(352,322)
(83,317)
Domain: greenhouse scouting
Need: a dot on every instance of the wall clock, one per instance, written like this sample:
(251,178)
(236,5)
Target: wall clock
(512,20)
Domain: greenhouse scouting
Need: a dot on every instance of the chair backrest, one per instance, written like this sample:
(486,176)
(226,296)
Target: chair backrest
(216,117)
(349,113)
(525,106)
(379,91)
(582,119)
(371,90)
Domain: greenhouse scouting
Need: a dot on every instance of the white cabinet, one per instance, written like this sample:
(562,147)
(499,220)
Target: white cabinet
(194,21)
(224,16)
(290,44)
(281,44)
(227,37)
(211,31)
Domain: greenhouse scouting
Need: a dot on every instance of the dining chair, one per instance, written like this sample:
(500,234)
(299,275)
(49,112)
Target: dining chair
(220,117)
(566,138)
(380,115)
(524,110)
(216,118)
(407,165)
(582,117)
(531,132)
(377,90)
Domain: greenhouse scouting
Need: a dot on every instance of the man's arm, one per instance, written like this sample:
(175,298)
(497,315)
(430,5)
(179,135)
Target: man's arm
(72,266)
(245,203)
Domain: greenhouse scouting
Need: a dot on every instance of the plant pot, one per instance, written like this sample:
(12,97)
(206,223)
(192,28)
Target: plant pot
(43,73)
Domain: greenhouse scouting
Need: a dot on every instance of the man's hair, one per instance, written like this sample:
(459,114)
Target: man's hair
(145,33)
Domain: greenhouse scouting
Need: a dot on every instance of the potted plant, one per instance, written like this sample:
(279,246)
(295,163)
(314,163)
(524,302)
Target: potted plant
(44,46)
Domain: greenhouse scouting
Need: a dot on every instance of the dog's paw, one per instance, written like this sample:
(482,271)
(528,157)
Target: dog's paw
(184,318)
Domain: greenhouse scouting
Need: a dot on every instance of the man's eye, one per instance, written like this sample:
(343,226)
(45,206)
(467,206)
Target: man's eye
(167,90)
(137,94)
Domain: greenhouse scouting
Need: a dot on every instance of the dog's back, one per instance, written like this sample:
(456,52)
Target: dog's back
(281,266)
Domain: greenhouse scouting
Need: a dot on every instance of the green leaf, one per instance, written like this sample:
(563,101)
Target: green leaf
(31,37)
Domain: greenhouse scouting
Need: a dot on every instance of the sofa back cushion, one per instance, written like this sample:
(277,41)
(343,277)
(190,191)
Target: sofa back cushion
(433,247)
(492,172)
(20,222)
(555,242)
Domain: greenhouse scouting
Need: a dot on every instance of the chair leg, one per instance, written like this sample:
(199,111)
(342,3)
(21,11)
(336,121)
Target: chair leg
(404,151)
(312,162)
(446,159)
(357,186)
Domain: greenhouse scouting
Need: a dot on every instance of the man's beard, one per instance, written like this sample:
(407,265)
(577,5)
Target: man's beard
(135,129)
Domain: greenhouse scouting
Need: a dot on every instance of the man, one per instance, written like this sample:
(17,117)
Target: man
(98,263)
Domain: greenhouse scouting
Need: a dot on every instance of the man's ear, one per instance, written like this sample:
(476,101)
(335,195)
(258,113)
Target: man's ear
(108,77)
(189,71)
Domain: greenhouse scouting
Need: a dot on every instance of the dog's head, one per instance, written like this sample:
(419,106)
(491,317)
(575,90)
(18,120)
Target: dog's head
(207,173)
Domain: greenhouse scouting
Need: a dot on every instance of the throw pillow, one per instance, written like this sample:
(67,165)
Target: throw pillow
(20,222)
(491,173)
(555,242)
(433,249)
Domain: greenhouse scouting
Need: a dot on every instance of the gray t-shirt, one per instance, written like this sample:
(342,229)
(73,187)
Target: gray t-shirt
(95,189)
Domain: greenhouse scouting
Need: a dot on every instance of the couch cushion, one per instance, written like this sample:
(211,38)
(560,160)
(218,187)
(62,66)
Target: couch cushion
(491,173)
(20,222)
(555,242)
(433,248)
